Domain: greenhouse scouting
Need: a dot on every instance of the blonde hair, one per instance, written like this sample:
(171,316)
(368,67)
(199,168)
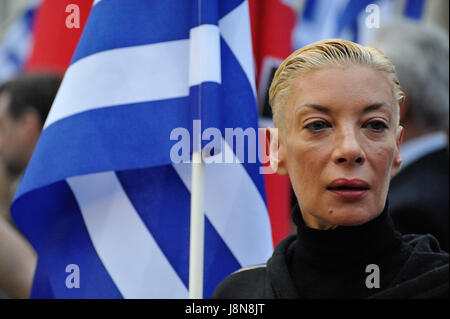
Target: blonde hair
(328,53)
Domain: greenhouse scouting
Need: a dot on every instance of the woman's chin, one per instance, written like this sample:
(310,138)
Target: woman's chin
(346,213)
(350,218)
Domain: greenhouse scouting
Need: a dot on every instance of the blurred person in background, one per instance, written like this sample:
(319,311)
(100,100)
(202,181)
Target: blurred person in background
(5,192)
(419,192)
(24,105)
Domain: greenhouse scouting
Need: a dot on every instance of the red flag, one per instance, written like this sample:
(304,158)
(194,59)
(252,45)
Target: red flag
(272,24)
(57,29)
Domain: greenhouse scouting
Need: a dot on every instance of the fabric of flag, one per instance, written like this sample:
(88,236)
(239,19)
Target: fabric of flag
(15,47)
(323,19)
(101,191)
(272,25)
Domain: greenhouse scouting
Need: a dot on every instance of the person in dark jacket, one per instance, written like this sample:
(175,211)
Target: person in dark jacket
(421,63)
(337,137)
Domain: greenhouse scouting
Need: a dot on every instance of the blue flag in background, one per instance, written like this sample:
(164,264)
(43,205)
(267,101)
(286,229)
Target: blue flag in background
(101,197)
(324,19)
(16,46)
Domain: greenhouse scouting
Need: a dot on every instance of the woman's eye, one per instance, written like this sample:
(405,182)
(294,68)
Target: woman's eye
(317,126)
(377,126)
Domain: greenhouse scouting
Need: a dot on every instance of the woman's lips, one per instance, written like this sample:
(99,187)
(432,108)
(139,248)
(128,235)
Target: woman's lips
(350,194)
(349,189)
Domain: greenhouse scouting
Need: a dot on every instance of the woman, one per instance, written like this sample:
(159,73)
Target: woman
(336,110)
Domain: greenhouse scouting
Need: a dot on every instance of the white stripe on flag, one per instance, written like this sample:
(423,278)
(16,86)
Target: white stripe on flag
(123,76)
(125,246)
(235,208)
(204,55)
(235,30)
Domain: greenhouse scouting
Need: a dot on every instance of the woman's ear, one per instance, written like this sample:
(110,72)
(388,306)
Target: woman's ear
(397,155)
(276,151)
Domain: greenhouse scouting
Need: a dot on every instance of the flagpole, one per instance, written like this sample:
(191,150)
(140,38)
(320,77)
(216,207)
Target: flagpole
(196,249)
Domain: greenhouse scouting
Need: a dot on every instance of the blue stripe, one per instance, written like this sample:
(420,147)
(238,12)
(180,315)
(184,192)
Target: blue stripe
(309,10)
(204,12)
(28,17)
(350,14)
(414,9)
(219,261)
(163,203)
(355,31)
(206,104)
(14,59)
(51,219)
(41,288)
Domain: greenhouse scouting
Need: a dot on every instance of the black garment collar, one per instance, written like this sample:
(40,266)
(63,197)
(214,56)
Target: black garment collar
(345,244)
(331,263)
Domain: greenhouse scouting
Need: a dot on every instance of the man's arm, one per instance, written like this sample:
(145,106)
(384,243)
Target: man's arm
(17,262)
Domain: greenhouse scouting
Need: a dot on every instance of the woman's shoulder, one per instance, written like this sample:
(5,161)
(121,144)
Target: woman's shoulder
(425,253)
(246,283)
(255,282)
(424,244)
(424,273)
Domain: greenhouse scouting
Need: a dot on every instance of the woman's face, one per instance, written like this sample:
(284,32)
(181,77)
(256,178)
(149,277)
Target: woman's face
(340,145)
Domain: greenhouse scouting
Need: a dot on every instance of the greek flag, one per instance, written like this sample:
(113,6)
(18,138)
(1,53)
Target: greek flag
(101,197)
(16,46)
(347,19)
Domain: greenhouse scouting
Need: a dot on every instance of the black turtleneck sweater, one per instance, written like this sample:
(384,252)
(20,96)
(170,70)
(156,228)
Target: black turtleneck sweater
(332,264)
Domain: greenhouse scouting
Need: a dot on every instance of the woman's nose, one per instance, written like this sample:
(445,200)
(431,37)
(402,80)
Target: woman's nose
(348,150)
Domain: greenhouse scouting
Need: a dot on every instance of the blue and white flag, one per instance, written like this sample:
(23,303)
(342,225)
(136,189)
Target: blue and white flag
(348,19)
(16,46)
(101,200)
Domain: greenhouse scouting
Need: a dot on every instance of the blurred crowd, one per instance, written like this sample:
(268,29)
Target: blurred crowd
(418,196)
